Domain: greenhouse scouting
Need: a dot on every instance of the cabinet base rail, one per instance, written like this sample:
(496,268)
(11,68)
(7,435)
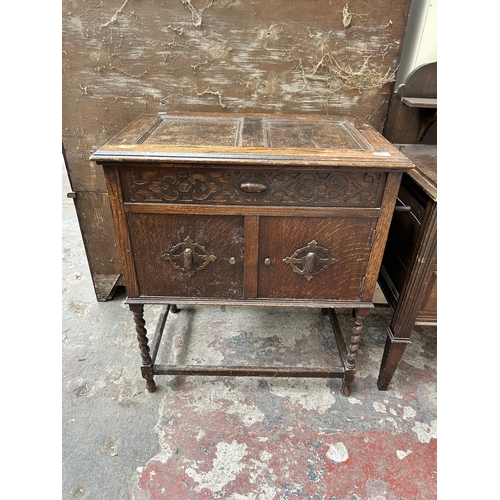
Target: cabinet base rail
(248,371)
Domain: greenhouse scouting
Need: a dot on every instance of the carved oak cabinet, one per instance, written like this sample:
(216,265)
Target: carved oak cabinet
(269,210)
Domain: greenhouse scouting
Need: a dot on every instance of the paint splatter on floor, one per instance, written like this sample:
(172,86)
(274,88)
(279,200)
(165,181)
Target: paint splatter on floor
(258,438)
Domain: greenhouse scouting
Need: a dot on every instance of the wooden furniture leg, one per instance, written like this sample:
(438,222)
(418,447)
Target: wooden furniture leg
(393,352)
(352,350)
(410,300)
(147,362)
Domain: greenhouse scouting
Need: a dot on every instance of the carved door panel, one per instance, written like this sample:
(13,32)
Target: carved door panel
(313,257)
(188,255)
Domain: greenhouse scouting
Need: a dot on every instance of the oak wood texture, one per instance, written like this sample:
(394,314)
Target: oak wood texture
(345,141)
(282,223)
(231,185)
(408,276)
(251,232)
(347,240)
(122,233)
(153,236)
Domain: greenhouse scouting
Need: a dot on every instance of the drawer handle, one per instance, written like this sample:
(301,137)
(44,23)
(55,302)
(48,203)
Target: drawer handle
(188,258)
(310,261)
(253,187)
(405,209)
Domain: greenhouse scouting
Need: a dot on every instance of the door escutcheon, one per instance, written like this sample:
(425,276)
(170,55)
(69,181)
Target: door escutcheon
(310,260)
(189,257)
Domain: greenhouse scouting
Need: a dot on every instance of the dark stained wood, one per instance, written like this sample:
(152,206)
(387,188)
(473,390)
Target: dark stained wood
(412,114)
(350,142)
(155,236)
(419,102)
(229,186)
(352,350)
(264,302)
(147,362)
(348,241)
(251,232)
(408,276)
(309,232)
(425,158)
(160,326)
(248,371)
(123,236)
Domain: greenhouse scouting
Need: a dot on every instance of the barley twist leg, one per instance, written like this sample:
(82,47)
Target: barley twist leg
(147,363)
(352,350)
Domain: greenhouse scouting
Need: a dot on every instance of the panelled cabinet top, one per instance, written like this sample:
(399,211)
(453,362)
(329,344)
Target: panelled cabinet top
(308,140)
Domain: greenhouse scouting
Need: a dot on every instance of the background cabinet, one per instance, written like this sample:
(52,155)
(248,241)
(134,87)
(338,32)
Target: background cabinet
(408,275)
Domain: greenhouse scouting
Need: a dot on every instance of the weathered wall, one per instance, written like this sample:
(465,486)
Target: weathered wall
(123,57)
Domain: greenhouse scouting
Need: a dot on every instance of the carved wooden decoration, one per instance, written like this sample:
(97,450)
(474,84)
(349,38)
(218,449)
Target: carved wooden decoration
(272,187)
(310,260)
(190,257)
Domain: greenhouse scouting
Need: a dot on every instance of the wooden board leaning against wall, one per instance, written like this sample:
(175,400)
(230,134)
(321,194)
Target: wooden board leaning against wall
(124,57)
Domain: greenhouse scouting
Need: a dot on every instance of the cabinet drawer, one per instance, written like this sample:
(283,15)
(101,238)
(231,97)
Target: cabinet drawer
(314,258)
(289,186)
(188,256)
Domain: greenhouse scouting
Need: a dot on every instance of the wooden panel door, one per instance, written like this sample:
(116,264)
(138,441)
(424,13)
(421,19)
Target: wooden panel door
(188,255)
(314,257)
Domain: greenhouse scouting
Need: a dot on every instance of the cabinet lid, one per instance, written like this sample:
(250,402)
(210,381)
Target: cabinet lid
(306,140)
(424,157)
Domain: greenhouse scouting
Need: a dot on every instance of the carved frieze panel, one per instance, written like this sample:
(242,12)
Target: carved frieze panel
(246,187)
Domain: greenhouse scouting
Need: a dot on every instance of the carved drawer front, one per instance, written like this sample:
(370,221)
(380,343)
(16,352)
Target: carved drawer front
(188,256)
(313,258)
(289,186)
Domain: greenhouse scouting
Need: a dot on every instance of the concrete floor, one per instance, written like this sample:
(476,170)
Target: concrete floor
(241,438)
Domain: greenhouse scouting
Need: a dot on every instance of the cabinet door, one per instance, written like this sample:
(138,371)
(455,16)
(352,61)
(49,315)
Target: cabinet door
(314,257)
(187,255)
